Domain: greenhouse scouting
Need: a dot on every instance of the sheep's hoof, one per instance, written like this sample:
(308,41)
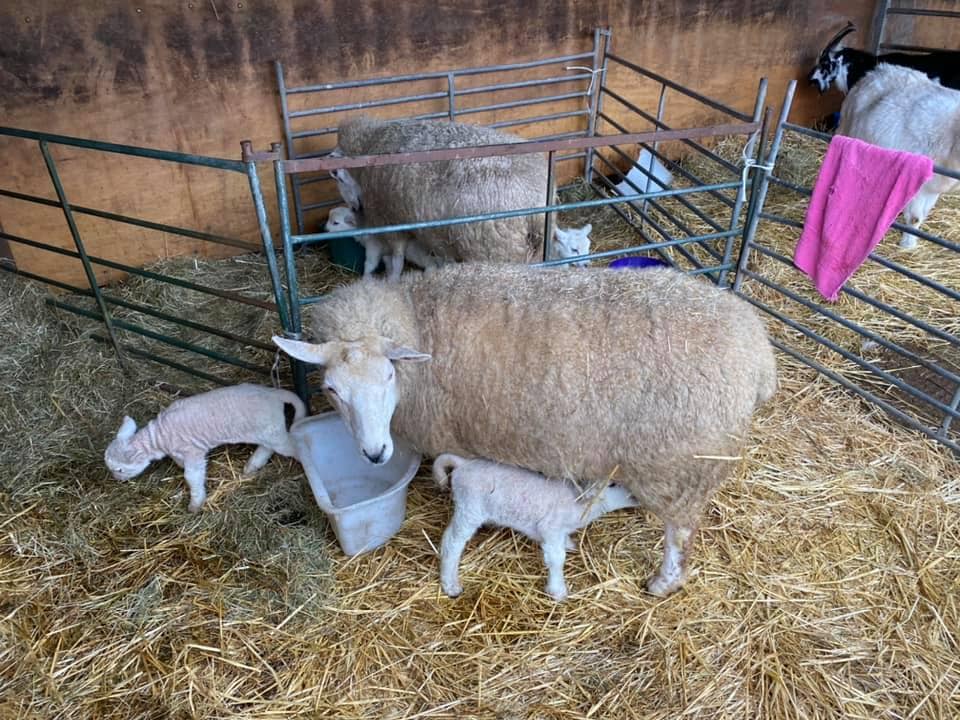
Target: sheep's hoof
(453,590)
(662,587)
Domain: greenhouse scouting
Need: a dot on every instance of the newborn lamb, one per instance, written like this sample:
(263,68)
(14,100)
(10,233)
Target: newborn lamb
(190,427)
(548,511)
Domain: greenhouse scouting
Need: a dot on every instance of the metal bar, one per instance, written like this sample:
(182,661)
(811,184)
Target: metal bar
(519,103)
(167,340)
(403,99)
(81,250)
(598,65)
(131,350)
(288,254)
(758,115)
(910,48)
(126,219)
(947,417)
(521,148)
(873,302)
(640,231)
(758,194)
(920,12)
(266,237)
(549,222)
(226,294)
(679,88)
(403,227)
(169,156)
(451,96)
(668,163)
(290,146)
(139,308)
(844,353)
(659,125)
(878,24)
(435,75)
(541,118)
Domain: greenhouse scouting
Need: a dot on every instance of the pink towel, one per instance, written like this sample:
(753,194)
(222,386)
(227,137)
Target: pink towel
(859,192)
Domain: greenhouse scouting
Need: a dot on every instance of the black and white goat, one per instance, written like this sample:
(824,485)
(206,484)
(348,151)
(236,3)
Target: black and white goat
(903,109)
(843,67)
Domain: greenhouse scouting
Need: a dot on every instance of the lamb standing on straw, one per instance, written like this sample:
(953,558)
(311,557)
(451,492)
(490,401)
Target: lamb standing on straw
(547,511)
(190,427)
(648,379)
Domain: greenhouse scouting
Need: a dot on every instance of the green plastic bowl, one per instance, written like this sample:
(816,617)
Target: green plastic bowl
(347,253)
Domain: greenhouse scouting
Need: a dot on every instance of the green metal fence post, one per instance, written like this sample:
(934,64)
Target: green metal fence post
(81,250)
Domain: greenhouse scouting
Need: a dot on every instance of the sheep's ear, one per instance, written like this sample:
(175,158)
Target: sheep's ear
(586,229)
(128,428)
(399,352)
(560,233)
(308,352)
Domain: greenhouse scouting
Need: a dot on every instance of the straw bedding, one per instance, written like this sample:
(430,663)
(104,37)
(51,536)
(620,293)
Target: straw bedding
(825,585)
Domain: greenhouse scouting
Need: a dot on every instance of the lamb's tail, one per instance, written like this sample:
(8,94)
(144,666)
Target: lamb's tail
(293,410)
(442,467)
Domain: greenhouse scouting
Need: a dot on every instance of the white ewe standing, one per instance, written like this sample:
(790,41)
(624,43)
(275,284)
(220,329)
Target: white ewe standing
(190,427)
(649,379)
(544,510)
(902,109)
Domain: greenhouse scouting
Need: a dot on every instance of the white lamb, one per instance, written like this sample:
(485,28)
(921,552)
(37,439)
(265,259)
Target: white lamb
(571,243)
(190,427)
(548,511)
(375,247)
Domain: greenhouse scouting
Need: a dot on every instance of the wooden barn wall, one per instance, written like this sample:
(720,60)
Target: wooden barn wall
(198,77)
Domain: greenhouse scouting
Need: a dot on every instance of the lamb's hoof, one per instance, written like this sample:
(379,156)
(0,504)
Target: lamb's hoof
(453,591)
(908,242)
(558,594)
(195,507)
(662,587)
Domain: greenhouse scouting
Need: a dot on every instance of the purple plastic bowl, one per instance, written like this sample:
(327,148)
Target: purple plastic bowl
(636,262)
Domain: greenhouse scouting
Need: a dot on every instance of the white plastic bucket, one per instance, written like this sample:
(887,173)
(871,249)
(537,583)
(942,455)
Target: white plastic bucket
(365,503)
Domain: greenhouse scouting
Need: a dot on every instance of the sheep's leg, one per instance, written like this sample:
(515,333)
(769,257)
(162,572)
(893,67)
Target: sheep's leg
(398,245)
(554,556)
(673,573)
(195,472)
(261,456)
(455,538)
(373,250)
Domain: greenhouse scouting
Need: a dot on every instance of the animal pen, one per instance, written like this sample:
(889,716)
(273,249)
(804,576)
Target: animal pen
(823,591)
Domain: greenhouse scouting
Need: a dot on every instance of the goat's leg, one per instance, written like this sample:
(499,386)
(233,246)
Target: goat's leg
(195,472)
(554,556)
(677,540)
(261,456)
(455,538)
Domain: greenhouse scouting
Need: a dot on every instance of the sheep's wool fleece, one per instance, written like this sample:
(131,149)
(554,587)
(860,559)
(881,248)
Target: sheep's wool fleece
(590,374)
(429,191)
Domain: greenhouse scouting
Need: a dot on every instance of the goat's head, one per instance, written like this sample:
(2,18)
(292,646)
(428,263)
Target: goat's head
(361,383)
(123,461)
(831,67)
(572,243)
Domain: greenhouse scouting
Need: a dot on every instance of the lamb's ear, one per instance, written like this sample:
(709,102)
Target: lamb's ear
(128,428)
(399,352)
(560,234)
(308,352)
(586,229)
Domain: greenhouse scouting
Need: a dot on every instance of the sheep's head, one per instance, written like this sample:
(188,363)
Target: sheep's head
(361,383)
(341,218)
(124,461)
(831,66)
(572,243)
(346,184)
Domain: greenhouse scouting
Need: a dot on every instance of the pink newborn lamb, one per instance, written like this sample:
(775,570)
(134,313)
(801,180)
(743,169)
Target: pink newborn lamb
(190,427)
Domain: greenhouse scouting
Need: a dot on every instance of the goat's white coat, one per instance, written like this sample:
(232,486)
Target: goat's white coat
(190,427)
(547,511)
(902,109)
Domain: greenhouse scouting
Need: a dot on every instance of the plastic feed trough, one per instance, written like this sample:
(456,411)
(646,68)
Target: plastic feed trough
(365,503)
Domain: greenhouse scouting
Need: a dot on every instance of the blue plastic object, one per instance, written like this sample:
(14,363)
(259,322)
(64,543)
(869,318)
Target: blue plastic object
(636,262)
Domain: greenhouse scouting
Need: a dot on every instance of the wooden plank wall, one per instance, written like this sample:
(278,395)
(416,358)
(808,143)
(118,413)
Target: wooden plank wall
(197,77)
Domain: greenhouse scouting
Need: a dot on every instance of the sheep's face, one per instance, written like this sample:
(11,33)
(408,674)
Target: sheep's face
(361,382)
(341,218)
(572,243)
(121,460)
